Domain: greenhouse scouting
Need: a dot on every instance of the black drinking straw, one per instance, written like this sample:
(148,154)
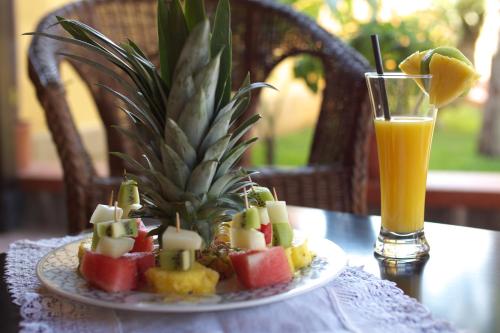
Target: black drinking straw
(380,71)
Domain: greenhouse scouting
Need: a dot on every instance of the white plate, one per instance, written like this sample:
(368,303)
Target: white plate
(57,272)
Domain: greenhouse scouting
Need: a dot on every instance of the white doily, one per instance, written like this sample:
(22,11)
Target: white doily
(355,301)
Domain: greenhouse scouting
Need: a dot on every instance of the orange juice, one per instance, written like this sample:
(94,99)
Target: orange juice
(403,150)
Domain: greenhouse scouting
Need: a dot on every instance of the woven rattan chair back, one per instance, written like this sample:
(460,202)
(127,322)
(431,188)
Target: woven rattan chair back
(264,33)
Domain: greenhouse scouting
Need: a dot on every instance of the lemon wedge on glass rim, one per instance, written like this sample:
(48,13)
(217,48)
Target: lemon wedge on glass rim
(452,73)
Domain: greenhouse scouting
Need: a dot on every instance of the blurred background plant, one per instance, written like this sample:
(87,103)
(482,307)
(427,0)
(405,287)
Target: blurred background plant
(401,32)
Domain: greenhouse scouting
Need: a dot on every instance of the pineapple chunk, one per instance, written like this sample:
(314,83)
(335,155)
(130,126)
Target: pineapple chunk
(288,252)
(199,280)
(301,256)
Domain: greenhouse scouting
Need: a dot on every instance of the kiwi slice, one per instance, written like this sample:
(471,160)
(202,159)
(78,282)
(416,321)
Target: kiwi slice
(176,260)
(103,228)
(127,228)
(260,195)
(128,196)
(248,219)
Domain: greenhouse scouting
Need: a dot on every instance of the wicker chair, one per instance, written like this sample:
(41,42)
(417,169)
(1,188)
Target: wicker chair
(264,33)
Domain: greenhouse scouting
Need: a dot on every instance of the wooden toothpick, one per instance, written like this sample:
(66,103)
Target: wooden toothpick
(251,182)
(177,222)
(246,197)
(111,197)
(116,211)
(275,195)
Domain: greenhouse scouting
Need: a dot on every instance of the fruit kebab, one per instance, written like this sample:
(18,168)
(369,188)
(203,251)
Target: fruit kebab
(178,271)
(258,266)
(119,253)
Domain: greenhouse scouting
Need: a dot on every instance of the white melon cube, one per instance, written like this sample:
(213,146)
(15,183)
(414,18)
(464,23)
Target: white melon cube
(105,213)
(181,240)
(277,211)
(114,247)
(264,216)
(247,239)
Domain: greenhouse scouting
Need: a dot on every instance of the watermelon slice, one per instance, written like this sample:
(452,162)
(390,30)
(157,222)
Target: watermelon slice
(143,242)
(267,230)
(109,274)
(116,274)
(256,269)
(144,261)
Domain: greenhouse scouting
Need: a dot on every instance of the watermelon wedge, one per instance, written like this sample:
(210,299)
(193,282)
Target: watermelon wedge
(115,274)
(143,242)
(267,230)
(256,269)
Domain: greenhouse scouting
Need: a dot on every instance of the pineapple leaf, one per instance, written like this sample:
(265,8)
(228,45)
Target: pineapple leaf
(194,119)
(222,182)
(195,12)
(201,178)
(221,40)
(206,80)
(233,156)
(180,94)
(145,117)
(241,130)
(175,166)
(85,30)
(172,34)
(175,138)
(218,129)
(216,151)
(94,48)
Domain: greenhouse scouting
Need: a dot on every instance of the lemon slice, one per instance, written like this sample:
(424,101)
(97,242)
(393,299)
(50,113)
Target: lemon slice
(450,77)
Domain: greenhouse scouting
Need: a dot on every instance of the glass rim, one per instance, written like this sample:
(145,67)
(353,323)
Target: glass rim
(397,75)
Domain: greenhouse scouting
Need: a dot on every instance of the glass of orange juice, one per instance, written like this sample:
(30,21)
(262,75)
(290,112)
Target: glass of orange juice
(404,135)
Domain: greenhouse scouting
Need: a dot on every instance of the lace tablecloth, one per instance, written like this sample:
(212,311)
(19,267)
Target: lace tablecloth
(355,301)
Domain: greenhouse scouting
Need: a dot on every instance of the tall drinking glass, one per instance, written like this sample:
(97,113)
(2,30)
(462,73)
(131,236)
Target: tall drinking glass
(404,145)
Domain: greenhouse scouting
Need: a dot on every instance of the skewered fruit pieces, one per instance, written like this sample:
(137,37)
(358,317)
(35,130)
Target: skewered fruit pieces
(128,196)
(117,229)
(180,240)
(277,211)
(248,239)
(176,260)
(199,280)
(248,219)
(260,194)
(267,230)
(128,228)
(114,247)
(263,215)
(301,256)
(143,242)
(105,213)
(282,234)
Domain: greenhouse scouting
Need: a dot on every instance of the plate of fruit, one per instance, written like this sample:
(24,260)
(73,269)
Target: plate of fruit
(254,259)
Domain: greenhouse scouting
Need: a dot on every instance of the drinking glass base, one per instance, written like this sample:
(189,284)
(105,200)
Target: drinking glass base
(412,246)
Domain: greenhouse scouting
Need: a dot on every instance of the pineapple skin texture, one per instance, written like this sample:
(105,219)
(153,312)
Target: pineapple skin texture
(301,256)
(199,280)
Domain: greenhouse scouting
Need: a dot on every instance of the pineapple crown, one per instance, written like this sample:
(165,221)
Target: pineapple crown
(187,124)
